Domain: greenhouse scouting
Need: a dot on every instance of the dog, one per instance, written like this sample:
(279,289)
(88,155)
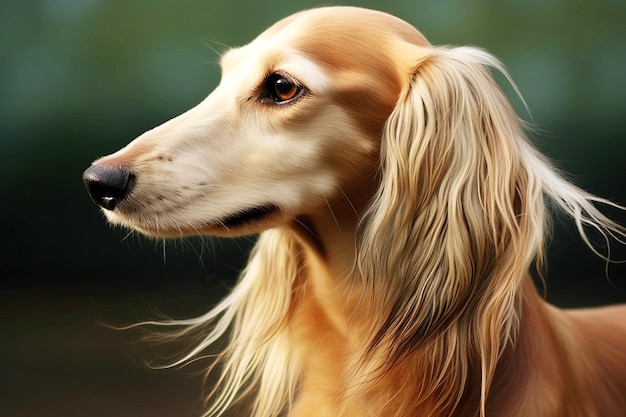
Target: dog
(400,209)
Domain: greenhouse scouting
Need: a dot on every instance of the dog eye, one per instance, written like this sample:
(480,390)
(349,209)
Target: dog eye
(283,89)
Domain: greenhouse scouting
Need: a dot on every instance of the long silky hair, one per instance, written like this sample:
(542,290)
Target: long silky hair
(461,213)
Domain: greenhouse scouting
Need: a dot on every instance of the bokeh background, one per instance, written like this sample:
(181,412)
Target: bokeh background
(81,78)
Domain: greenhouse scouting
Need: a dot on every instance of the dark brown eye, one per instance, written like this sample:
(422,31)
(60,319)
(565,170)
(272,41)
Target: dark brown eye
(283,89)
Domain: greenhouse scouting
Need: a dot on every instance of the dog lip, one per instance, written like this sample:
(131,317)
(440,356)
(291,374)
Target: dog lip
(248,215)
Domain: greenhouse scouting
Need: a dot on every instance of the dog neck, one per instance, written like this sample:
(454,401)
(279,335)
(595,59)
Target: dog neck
(328,257)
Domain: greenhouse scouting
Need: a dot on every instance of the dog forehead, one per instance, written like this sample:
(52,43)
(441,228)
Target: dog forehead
(338,38)
(349,38)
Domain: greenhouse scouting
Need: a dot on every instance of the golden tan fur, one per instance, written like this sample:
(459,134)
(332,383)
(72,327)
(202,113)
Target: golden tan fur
(391,277)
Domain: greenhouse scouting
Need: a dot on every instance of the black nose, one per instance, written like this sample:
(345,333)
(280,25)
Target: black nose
(108,185)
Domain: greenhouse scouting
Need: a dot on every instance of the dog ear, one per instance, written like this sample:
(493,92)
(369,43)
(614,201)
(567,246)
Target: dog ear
(457,218)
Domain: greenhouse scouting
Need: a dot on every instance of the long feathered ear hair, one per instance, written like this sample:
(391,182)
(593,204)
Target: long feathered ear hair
(459,217)
(258,360)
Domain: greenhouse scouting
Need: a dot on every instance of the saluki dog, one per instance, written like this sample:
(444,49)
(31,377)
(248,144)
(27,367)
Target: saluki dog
(400,210)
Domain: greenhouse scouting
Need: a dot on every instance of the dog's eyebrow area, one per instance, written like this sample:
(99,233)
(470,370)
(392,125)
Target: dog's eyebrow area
(264,62)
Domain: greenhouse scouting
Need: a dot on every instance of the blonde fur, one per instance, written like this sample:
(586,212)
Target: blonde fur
(391,274)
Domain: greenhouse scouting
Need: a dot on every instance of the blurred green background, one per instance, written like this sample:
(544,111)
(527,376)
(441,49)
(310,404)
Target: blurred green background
(81,78)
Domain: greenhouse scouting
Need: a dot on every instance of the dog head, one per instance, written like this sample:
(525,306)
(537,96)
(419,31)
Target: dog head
(294,124)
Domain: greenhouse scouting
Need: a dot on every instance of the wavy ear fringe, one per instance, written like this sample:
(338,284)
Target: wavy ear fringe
(258,358)
(457,220)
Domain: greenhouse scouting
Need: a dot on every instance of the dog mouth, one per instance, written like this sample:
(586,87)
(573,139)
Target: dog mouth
(249,215)
(244,221)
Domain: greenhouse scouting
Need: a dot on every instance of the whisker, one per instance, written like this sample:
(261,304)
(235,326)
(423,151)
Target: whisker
(210,44)
(305,227)
(128,235)
(332,213)
(347,198)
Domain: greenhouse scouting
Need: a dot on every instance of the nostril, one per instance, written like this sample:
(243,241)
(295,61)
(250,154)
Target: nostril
(108,185)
